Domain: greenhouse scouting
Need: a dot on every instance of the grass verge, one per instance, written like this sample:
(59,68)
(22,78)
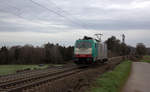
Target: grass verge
(147,56)
(146,59)
(9,69)
(113,80)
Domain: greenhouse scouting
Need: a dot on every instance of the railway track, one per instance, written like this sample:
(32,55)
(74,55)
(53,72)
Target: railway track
(22,75)
(32,79)
(19,84)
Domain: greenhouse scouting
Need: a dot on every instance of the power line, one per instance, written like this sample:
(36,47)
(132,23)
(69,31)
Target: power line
(65,12)
(50,10)
(13,13)
(18,16)
(14,7)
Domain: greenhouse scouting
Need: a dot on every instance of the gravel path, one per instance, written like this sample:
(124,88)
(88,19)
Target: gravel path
(139,80)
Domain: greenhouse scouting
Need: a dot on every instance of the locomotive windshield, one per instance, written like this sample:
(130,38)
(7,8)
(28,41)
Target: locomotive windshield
(83,44)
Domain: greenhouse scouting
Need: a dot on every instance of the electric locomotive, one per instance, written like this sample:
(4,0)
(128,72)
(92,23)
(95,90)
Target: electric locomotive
(89,51)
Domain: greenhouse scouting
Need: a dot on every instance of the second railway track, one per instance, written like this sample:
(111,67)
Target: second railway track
(19,85)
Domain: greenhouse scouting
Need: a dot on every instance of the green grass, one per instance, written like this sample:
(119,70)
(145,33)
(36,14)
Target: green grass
(113,80)
(9,69)
(147,56)
(146,59)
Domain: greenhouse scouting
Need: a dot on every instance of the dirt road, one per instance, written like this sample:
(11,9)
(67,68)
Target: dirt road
(139,80)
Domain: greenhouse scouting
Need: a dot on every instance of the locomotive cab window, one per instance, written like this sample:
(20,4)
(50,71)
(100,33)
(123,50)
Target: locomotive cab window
(83,44)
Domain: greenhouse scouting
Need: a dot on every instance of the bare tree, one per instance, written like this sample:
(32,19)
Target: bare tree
(141,49)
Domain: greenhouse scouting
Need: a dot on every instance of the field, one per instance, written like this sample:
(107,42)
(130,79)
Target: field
(9,69)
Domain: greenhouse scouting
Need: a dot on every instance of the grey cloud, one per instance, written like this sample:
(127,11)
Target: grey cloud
(71,15)
(116,25)
(81,13)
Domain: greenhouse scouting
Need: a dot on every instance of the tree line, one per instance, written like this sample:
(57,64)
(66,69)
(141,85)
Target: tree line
(57,54)
(118,48)
(28,54)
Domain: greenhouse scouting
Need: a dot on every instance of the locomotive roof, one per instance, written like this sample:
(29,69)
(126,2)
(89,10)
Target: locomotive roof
(89,38)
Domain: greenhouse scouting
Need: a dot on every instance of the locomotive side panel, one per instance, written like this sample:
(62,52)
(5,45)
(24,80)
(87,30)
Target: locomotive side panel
(102,51)
(105,51)
(99,51)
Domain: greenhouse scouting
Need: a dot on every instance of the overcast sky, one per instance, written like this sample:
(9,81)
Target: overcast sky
(63,21)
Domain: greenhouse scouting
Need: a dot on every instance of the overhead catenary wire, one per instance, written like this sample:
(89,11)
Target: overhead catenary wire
(65,12)
(72,20)
(15,14)
(10,5)
(73,17)
(50,10)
